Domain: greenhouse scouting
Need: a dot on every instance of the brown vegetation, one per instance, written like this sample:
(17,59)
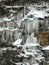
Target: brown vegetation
(43,38)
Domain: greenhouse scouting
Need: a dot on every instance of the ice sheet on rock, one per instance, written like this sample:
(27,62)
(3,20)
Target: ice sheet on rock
(35,64)
(31,39)
(29,53)
(46,48)
(47,10)
(24,55)
(26,17)
(17,7)
(1,20)
(31,44)
(13,29)
(9,48)
(40,58)
(8,7)
(36,13)
(6,28)
(35,52)
(3,49)
(26,63)
(17,42)
(1,29)
(19,24)
(34,38)
(8,19)
(31,8)
(12,11)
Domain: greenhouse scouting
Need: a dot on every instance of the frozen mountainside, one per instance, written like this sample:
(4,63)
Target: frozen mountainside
(31,39)
(19,27)
(7,19)
(17,42)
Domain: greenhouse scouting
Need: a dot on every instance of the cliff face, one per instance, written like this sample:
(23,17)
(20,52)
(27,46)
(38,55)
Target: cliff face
(18,29)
